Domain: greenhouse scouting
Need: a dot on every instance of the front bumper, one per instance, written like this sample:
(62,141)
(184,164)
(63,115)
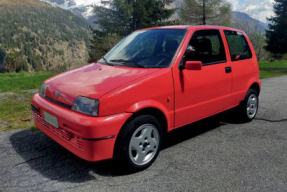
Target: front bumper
(91,138)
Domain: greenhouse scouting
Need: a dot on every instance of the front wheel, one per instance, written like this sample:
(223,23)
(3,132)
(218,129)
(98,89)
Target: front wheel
(249,106)
(139,142)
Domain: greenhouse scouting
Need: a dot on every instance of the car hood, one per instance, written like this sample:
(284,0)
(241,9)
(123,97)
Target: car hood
(91,81)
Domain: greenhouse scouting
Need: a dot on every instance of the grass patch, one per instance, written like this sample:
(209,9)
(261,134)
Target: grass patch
(15,110)
(272,69)
(13,82)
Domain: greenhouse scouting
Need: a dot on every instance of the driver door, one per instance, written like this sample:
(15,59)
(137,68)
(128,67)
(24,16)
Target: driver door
(199,94)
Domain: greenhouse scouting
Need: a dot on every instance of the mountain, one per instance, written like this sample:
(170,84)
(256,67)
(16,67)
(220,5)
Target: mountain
(83,8)
(243,21)
(38,36)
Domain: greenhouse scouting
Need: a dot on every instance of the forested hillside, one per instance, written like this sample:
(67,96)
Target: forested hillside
(37,36)
(243,20)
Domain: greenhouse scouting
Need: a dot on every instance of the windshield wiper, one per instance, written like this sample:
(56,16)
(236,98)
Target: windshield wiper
(106,62)
(128,61)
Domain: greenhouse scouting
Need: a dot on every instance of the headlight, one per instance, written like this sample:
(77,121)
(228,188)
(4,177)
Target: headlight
(42,90)
(86,105)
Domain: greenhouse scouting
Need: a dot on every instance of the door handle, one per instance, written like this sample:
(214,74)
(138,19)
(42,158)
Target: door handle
(228,70)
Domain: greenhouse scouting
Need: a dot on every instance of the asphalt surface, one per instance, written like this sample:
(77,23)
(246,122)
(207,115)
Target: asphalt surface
(216,154)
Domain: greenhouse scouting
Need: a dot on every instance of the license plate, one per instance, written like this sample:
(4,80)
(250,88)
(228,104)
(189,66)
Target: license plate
(51,119)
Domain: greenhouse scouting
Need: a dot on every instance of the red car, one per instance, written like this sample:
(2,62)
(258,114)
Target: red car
(153,81)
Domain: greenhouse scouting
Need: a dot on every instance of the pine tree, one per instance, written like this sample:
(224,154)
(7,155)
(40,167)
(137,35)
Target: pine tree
(276,35)
(216,12)
(125,16)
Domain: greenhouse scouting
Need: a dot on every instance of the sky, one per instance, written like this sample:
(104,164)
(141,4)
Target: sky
(258,9)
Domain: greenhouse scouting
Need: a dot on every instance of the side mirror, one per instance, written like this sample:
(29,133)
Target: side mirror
(193,65)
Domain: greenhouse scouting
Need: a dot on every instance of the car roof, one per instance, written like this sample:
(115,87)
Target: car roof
(192,26)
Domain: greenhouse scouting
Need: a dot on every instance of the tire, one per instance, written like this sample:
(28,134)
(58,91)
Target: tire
(139,143)
(248,108)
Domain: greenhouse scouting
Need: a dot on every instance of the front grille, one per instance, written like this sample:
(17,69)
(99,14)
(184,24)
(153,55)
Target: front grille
(58,103)
(66,135)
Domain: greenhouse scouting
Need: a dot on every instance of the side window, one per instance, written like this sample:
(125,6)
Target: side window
(207,46)
(238,46)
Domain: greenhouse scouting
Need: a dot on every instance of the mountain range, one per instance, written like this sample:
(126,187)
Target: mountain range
(84,8)
(242,21)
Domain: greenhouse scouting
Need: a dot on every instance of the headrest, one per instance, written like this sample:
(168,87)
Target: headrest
(203,45)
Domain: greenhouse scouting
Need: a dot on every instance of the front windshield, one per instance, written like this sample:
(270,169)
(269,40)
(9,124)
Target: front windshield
(147,48)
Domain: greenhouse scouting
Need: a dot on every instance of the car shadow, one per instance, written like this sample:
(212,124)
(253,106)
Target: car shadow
(192,130)
(53,161)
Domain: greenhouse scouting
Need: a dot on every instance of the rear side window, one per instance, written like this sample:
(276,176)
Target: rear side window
(208,47)
(238,46)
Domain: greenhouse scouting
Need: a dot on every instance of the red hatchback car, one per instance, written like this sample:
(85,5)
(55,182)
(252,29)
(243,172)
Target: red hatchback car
(153,81)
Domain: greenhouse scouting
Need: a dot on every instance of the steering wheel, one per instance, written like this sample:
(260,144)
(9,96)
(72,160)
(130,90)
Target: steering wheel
(165,56)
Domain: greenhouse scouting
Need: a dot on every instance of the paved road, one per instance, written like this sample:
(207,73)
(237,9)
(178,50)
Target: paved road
(212,155)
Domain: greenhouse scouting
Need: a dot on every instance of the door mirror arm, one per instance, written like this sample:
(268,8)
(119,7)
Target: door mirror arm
(181,65)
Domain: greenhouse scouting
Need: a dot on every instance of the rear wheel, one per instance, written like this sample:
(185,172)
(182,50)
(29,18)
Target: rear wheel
(139,142)
(249,106)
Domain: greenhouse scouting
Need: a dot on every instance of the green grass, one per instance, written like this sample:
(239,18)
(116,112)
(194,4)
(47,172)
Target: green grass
(13,82)
(272,69)
(15,110)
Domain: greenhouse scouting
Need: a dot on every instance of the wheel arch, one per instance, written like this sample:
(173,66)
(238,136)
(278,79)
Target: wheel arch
(154,108)
(255,86)
(153,111)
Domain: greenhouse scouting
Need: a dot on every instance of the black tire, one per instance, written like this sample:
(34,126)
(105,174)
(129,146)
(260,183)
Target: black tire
(242,111)
(122,146)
